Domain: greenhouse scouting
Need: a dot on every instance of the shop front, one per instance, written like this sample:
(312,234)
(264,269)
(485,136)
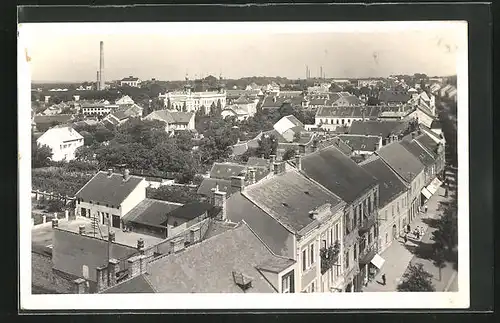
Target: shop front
(430,190)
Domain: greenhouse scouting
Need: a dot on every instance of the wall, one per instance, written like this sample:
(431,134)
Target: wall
(44,277)
(386,222)
(134,198)
(94,208)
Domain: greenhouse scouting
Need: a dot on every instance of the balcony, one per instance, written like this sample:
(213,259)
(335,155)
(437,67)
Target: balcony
(367,223)
(351,237)
(367,255)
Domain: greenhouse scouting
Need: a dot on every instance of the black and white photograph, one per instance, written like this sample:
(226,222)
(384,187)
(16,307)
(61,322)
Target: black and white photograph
(221,162)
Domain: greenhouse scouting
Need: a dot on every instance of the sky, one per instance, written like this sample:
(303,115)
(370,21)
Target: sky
(70,52)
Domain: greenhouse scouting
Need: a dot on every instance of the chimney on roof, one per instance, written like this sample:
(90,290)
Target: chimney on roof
(219,200)
(140,244)
(298,161)
(274,98)
(278,168)
(252,172)
(177,244)
(81,229)
(126,174)
(79,286)
(238,182)
(102,278)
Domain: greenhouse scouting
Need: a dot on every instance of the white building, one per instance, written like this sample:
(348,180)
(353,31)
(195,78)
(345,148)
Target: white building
(188,101)
(124,100)
(107,197)
(130,81)
(63,141)
(175,120)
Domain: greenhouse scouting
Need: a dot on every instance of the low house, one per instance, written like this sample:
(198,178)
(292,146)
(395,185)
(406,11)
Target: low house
(390,131)
(329,118)
(363,145)
(64,141)
(108,197)
(393,206)
(233,95)
(123,114)
(175,120)
(234,261)
(273,102)
(95,108)
(148,217)
(296,218)
(130,81)
(235,112)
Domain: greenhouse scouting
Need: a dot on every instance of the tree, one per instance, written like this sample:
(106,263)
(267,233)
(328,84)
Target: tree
(289,153)
(177,194)
(416,279)
(55,205)
(329,256)
(267,146)
(40,154)
(446,235)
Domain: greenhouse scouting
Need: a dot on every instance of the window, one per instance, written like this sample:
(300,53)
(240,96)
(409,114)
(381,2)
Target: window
(355,252)
(355,216)
(370,238)
(392,208)
(347,259)
(312,287)
(331,237)
(323,244)
(386,237)
(375,199)
(337,229)
(304,260)
(369,204)
(398,208)
(311,248)
(286,284)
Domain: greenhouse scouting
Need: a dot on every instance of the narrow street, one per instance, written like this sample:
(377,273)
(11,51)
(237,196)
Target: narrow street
(399,255)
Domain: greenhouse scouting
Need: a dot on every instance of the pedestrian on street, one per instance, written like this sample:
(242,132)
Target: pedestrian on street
(383,279)
(408,228)
(405,238)
(425,208)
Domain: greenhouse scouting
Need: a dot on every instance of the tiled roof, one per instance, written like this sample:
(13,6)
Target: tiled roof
(150,211)
(108,190)
(337,172)
(338,143)
(208,184)
(226,170)
(70,251)
(257,161)
(191,210)
(349,112)
(239,149)
(274,235)
(394,96)
(270,103)
(361,142)
(413,147)
(377,128)
(172,116)
(289,197)
(138,284)
(130,78)
(60,134)
(401,161)
(389,184)
(207,267)
(428,143)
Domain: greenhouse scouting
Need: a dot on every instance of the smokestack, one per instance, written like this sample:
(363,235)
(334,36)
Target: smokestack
(101,66)
(98,81)
(321,71)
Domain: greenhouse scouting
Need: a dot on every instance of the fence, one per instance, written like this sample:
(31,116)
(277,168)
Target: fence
(43,195)
(38,218)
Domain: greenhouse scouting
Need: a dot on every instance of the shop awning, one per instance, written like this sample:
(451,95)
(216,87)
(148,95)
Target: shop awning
(378,261)
(426,193)
(434,185)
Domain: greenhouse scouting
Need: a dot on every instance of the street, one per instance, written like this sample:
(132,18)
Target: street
(399,255)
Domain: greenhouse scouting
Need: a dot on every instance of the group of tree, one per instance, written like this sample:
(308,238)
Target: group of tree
(40,154)
(416,279)
(177,194)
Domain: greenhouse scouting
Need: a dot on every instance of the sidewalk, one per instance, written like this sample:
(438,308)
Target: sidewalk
(397,256)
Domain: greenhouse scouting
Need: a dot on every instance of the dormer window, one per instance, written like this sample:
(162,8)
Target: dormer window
(243,281)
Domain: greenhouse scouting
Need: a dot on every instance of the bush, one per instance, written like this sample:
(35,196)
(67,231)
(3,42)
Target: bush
(55,206)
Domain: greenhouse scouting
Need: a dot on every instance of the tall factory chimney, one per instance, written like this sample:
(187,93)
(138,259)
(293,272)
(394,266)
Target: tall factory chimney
(98,81)
(321,71)
(101,66)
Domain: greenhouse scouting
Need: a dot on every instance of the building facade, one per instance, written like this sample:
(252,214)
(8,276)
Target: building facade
(188,101)
(64,141)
